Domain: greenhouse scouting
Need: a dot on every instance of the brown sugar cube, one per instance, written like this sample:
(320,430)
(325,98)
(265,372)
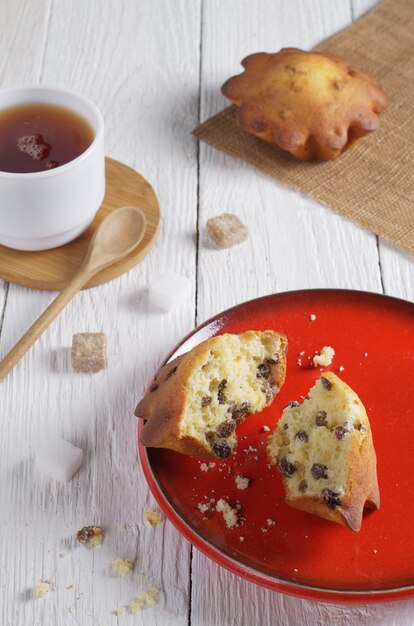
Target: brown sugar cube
(227,230)
(89,352)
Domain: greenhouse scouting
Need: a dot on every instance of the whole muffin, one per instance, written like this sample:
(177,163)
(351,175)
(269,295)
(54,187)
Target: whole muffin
(313,105)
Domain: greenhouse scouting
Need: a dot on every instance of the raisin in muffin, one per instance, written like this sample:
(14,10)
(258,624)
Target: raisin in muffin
(324,450)
(197,400)
(310,104)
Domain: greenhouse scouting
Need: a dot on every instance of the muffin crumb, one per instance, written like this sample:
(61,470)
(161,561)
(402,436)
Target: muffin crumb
(230,515)
(42,587)
(325,357)
(205,467)
(153,517)
(120,610)
(241,482)
(121,567)
(146,598)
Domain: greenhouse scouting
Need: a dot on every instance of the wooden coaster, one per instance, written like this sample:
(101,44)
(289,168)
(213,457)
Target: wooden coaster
(53,269)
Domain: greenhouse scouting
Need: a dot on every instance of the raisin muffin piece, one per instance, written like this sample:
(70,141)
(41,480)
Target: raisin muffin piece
(197,400)
(324,450)
(313,105)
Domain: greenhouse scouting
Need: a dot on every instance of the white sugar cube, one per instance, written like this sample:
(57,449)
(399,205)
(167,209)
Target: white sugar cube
(169,291)
(58,459)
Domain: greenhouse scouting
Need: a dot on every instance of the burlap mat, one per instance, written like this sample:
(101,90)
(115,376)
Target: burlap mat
(373,182)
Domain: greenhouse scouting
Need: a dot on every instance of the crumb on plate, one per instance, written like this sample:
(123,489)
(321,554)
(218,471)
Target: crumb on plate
(92,535)
(241,482)
(207,466)
(325,357)
(230,515)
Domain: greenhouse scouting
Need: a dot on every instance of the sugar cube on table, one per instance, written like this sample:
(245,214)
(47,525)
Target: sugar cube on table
(89,352)
(227,230)
(169,291)
(58,459)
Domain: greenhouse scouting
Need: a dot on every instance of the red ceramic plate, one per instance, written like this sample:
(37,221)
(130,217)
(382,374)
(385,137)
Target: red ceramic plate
(275,545)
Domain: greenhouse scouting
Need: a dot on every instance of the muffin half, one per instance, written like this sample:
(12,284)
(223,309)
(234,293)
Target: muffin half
(324,450)
(199,398)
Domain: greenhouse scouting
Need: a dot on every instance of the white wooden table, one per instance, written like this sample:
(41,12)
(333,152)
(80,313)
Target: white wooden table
(154,67)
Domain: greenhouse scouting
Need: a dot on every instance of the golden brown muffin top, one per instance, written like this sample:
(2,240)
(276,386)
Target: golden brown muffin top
(296,99)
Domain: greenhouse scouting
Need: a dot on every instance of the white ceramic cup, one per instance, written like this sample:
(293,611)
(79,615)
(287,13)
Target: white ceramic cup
(42,210)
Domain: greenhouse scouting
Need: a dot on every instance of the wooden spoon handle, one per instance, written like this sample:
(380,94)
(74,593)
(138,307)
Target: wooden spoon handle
(42,323)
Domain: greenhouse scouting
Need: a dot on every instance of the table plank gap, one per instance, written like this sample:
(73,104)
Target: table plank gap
(200,86)
(5,292)
(395,265)
(45,40)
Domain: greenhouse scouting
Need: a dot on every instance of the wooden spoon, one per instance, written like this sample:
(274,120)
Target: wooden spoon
(116,236)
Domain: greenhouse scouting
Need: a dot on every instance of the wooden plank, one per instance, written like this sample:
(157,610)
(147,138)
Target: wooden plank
(24,29)
(4,288)
(143,72)
(397,270)
(294,244)
(397,267)
(227,596)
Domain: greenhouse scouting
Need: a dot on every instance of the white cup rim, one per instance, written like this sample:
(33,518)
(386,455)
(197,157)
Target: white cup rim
(73,163)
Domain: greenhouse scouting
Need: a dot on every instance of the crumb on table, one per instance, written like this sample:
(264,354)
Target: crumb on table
(146,598)
(120,610)
(153,517)
(92,535)
(121,567)
(41,588)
